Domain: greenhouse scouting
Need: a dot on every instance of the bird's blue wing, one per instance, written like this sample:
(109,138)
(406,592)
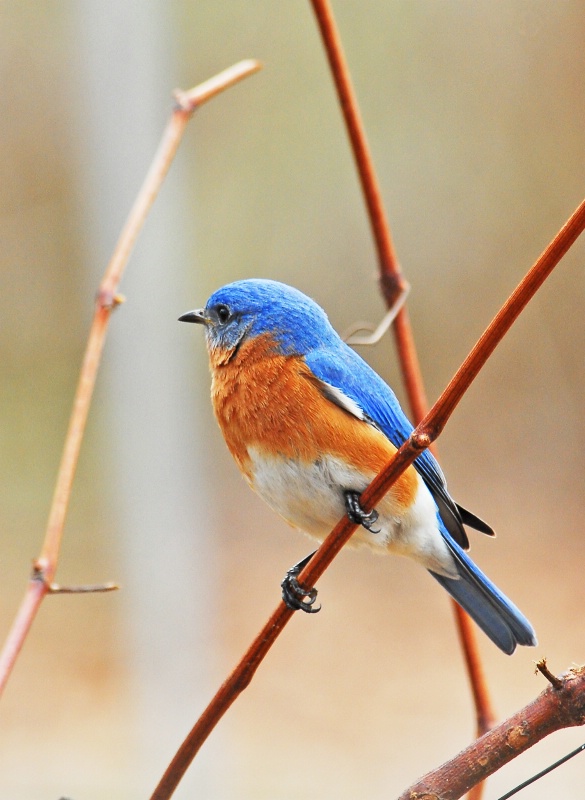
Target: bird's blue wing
(346,371)
(342,368)
(495,614)
(351,383)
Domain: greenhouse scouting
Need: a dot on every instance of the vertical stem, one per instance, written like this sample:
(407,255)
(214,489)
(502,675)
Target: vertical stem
(392,283)
(410,366)
(357,135)
(485,715)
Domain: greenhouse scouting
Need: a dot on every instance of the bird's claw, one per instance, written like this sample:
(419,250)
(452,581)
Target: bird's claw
(357,514)
(294,593)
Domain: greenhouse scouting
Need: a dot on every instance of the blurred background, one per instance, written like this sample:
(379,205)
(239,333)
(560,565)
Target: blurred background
(475,117)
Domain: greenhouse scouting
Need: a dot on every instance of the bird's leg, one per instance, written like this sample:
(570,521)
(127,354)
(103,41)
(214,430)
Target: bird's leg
(293,592)
(357,514)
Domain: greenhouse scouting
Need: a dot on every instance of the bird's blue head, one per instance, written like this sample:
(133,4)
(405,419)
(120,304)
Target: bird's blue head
(245,309)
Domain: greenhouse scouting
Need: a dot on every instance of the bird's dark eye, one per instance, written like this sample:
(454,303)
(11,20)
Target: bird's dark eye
(223,314)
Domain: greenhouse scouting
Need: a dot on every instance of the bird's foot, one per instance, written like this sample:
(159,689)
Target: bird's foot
(357,514)
(294,593)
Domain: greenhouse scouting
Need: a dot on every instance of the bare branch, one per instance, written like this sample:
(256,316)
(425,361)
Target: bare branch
(191,100)
(350,336)
(394,286)
(107,299)
(553,709)
(542,667)
(90,588)
(420,439)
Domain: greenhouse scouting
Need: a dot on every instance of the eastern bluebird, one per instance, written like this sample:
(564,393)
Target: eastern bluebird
(310,424)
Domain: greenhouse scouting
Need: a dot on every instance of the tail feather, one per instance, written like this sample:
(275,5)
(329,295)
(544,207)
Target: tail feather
(497,616)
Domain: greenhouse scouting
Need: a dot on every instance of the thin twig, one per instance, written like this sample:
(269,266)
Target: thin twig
(90,588)
(45,566)
(432,425)
(420,439)
(350,335)
(552,710)
(359,144)
(393,285)
(542,667)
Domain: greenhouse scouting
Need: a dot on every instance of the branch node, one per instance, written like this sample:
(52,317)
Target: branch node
(393,286)
(107,300)
(420,441)
(183,101)
(541,666)
(516,736)
(38,573)
(188,102)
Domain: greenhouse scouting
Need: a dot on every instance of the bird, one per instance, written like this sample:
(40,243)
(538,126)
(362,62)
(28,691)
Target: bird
(310,424)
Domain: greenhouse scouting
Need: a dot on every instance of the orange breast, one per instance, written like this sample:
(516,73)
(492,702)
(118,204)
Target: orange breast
(273,403)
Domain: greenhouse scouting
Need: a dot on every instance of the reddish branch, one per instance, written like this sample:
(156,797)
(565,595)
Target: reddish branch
(561,705)
(392,284)
(341,76)
(432,425)
(45,566)
(420,439)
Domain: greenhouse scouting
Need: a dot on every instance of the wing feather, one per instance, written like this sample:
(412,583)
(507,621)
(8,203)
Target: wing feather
(347,380)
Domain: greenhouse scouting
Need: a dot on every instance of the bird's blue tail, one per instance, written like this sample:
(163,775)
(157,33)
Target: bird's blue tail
(497,616)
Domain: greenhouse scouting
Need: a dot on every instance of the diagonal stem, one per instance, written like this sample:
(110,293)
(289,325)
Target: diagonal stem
(420,439)
(359,143)
(552,710)
(45,566)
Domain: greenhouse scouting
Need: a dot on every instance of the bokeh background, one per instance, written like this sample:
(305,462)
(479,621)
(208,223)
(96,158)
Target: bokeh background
(475,113)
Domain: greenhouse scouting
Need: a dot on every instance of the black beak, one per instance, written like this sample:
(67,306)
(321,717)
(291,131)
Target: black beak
(198,315)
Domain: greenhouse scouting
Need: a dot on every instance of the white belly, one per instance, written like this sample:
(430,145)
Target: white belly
(310,497)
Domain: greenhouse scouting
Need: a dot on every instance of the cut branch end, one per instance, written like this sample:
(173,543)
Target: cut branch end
(541,666)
